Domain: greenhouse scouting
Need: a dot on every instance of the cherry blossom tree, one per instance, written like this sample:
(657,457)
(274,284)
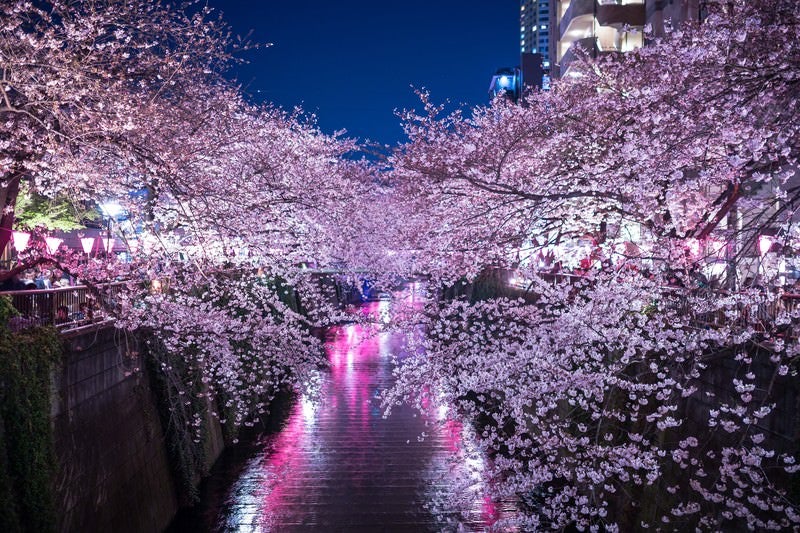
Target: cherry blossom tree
(223,200)
(77,76)
(629,395)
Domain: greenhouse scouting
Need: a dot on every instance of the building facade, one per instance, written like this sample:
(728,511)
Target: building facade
(606,26)
(535,27)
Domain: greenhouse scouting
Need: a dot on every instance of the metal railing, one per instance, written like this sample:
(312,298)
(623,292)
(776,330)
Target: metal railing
(760,311)
(63,307)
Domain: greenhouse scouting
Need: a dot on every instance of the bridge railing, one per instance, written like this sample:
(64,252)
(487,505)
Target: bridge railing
(63,307)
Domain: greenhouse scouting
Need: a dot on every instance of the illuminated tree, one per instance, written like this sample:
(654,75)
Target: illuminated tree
(592,395)
(77,77)
(221,200)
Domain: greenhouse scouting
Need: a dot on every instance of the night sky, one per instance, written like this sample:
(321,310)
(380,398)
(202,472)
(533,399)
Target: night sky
(353,62)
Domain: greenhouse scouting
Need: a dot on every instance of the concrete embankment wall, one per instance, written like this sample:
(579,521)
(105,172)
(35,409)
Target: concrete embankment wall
(114,473)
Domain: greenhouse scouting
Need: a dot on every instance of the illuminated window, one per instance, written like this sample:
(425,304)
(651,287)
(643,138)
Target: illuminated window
(543,27)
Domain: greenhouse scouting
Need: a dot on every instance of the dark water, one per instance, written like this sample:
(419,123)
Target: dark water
(334,463)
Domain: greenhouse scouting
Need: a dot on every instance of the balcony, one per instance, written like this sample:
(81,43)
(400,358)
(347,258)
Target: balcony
(581,15)
(578,15)
(617,15)
(587,43)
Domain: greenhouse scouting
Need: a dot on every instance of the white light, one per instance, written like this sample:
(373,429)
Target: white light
(111,209)
(765,243)
(308,409)
(53,243)
(21,240)
(108,244)
(87,243)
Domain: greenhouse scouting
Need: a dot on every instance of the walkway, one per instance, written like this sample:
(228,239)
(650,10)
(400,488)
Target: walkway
(338,465)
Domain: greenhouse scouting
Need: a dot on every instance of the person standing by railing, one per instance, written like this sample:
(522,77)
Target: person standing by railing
(13,283)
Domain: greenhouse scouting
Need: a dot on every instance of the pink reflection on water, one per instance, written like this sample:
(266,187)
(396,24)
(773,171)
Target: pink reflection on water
(338,462)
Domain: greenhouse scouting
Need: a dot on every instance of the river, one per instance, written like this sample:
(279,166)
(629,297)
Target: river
(333,462)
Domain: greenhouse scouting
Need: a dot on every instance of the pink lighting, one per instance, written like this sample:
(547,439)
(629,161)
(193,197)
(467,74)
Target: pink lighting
(21,240)
(87,243)
(339,439)
(53,243)
(108,244)
(765,242)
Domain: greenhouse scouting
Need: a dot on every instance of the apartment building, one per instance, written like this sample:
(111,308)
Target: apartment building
(534,30)
(607,26)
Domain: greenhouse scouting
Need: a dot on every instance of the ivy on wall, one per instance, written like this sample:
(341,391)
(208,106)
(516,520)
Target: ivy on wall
(27,458)
(179,411)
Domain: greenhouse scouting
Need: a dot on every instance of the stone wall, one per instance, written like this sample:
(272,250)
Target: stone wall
(113,469)
(781,426)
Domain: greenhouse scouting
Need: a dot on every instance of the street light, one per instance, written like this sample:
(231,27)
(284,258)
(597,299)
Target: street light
(111,210)
(507,81)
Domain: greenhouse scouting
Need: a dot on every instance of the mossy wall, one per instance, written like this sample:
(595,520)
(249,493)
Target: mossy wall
(113,470)
(27,461)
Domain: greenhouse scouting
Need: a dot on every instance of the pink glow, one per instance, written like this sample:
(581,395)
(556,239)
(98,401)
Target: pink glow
(108,244)
(338,441)
(21,239)
(693,246)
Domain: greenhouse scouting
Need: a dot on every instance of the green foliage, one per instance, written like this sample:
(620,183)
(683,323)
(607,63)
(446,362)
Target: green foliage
(180,403)
(34,210)
(7,311)
(27,458)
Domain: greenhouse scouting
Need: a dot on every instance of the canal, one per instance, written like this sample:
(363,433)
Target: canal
(334,463)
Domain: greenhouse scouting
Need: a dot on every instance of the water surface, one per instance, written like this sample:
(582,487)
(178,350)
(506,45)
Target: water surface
(336,464)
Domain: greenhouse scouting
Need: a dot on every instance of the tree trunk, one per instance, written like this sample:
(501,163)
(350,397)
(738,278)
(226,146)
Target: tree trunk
(8,201)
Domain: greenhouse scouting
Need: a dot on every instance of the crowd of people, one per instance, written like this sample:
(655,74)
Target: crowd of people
(37,278)
(60,308)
